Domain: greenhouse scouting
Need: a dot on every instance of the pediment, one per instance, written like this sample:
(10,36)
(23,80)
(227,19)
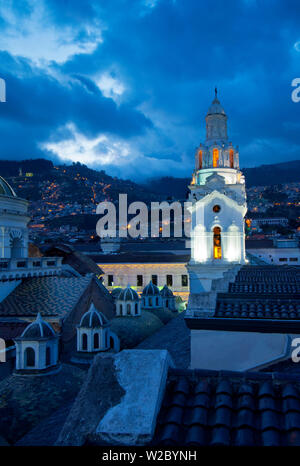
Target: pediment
(215,181)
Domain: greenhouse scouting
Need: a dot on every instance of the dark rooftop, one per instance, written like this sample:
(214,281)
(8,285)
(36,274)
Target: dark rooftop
(262,292)
(51,296)
(229,408)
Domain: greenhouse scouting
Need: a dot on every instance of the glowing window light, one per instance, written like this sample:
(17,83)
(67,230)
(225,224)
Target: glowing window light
(215,158)
(200,159)
(231,158)
(217,243)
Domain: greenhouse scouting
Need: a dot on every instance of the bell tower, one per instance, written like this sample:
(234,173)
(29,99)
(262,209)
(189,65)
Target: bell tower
(218,208)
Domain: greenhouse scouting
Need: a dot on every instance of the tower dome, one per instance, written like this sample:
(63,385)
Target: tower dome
(128,294)
(151,290)
(38,329)
(6,189)
(93,319)
(166,292)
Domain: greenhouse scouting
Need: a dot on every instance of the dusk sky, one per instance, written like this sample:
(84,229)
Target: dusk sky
(124,85)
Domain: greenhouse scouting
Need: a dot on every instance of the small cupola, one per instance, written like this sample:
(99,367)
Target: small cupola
(93,332)
(128,303)
(37,347)
(151,297)
(168,298)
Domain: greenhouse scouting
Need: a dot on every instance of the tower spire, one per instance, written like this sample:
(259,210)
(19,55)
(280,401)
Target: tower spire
(216,92)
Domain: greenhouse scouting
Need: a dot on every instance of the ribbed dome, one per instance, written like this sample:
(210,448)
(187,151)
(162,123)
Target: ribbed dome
(38,329)
(151,290)
(116,291)
(93,319)
(6,189)
(166,292)
(128,294)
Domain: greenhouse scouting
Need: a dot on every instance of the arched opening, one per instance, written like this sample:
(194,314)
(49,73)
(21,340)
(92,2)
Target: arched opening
(48,356)
(136,308)
(150,301)
(84,341)
(120,309)
(111,342)
(231,158)
(200,159)
(29,357)
(96,341)
(167,303)
(128,309)
(16,248)
(156,301)
(215,158)
(217,243)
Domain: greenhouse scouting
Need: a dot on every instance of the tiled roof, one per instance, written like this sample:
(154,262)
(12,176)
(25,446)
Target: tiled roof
(229,408)
(51,296)
(262,292)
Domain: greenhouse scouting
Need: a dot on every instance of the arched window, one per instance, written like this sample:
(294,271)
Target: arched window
(29,357)
(84,341)
(128,309)
(231,158)
(156,301)
(217,243)
(150,301)
(200,159)
(167,303)
(96,340)
(136,308)
(215,158)
(48,356)
(121,309)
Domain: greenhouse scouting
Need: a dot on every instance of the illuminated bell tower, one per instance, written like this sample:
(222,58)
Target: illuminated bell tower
(218,208)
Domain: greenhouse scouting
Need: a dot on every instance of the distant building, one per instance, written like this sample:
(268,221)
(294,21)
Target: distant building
(275,252)
(269,221)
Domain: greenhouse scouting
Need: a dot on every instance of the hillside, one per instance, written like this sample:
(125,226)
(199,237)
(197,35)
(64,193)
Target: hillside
(286,172)
(40,180)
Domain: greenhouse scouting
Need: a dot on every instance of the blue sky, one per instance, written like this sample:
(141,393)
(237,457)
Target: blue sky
(124,85)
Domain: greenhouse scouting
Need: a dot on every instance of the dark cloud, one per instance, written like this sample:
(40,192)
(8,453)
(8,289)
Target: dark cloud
(169,58)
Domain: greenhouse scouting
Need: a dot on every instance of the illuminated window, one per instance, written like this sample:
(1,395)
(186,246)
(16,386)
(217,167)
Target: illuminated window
(217,243)
(215,158)
(231,158)
(200,159)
